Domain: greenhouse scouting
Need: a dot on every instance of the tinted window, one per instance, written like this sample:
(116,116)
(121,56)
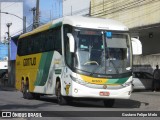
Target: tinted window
(41,42)
(68,54)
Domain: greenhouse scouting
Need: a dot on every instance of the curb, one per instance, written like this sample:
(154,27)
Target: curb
(6,88)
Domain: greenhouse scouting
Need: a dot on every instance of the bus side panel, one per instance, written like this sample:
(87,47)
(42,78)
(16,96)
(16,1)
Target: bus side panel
(54,70)
(26,69)
(44,67)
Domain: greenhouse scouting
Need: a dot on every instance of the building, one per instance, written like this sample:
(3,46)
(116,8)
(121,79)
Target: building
(14,8)
(3,51)
(143,19)
(11,11)
(133,13)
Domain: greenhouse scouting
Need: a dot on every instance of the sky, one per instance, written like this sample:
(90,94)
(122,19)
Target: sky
(51,9)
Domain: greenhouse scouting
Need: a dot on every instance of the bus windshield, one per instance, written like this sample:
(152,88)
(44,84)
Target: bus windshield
(102,52)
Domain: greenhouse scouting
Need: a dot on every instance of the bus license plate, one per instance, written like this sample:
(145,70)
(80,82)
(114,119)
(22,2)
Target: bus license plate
(104,93)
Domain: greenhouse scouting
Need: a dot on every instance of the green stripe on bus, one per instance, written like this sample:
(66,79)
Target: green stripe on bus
(44,67)
(58,71)
(117,81)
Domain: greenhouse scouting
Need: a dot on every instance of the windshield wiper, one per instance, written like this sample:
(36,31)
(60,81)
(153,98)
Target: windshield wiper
(116,69)
(99,68)
(110,61)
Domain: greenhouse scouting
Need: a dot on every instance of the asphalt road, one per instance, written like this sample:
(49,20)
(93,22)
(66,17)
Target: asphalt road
(140,101)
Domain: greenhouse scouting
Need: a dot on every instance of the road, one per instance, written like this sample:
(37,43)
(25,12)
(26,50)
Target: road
(140,101)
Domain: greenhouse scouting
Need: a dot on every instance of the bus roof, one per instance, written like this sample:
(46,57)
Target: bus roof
(96,23)
(80,21)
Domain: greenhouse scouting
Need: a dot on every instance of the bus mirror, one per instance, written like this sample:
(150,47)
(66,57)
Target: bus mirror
(71,42)
(136,46)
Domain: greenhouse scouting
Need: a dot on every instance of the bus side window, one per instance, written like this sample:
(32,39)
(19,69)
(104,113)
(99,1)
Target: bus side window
(19,51)
(49,44)
(24,47)
(30,47)
(36,44)
(68,54)
(57,39)
(41,41)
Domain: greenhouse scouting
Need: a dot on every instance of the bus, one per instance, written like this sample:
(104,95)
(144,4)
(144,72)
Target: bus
(76,57)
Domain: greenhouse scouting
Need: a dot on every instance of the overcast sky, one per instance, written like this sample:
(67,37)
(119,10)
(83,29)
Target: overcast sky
(49,9)
(78,6)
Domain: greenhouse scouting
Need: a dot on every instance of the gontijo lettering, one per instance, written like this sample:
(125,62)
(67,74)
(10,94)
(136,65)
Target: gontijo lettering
(29,61)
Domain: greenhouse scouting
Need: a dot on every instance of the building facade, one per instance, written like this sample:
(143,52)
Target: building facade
(14,8)
(133,13)
(143,19)
(11,11)
(3,52)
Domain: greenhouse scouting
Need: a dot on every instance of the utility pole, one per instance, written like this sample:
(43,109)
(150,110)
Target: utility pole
(37,13)
(24,24)
(90,9)
(71,10)
(34,17)
(9,67)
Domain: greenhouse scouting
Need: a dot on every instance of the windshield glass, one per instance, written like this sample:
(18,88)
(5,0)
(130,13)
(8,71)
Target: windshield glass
(102,52)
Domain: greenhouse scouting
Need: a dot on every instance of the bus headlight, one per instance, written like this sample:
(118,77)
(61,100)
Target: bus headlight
(78,80)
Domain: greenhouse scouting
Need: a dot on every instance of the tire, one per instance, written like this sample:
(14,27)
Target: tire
(60,99)
(26,93)
(36,96)
(109,103)
(69,100)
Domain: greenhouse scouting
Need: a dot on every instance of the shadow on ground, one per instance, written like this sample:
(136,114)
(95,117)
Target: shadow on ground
(119,103)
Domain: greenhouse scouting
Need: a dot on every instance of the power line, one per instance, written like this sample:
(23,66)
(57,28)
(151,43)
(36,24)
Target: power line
(9,5)
(123,9)
(121,6)
(151,10)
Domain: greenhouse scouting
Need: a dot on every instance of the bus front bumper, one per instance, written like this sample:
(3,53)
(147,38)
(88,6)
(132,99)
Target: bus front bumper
(82,91)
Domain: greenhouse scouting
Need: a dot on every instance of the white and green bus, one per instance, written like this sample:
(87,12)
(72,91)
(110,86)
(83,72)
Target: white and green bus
(76,57)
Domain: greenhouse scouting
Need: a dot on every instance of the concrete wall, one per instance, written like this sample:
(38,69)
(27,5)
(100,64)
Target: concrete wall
(142,15)
(132,13)
(146,63)
(150,39)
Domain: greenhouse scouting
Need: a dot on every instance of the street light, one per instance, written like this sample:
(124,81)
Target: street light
(12,14)
(23,19)
(8,33)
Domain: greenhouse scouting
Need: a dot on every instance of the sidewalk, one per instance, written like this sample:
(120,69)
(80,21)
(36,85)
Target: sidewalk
(6,88)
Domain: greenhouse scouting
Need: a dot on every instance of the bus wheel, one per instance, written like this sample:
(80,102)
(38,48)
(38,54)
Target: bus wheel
(61,100)
(109,102)
(36,96)
(26,93)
